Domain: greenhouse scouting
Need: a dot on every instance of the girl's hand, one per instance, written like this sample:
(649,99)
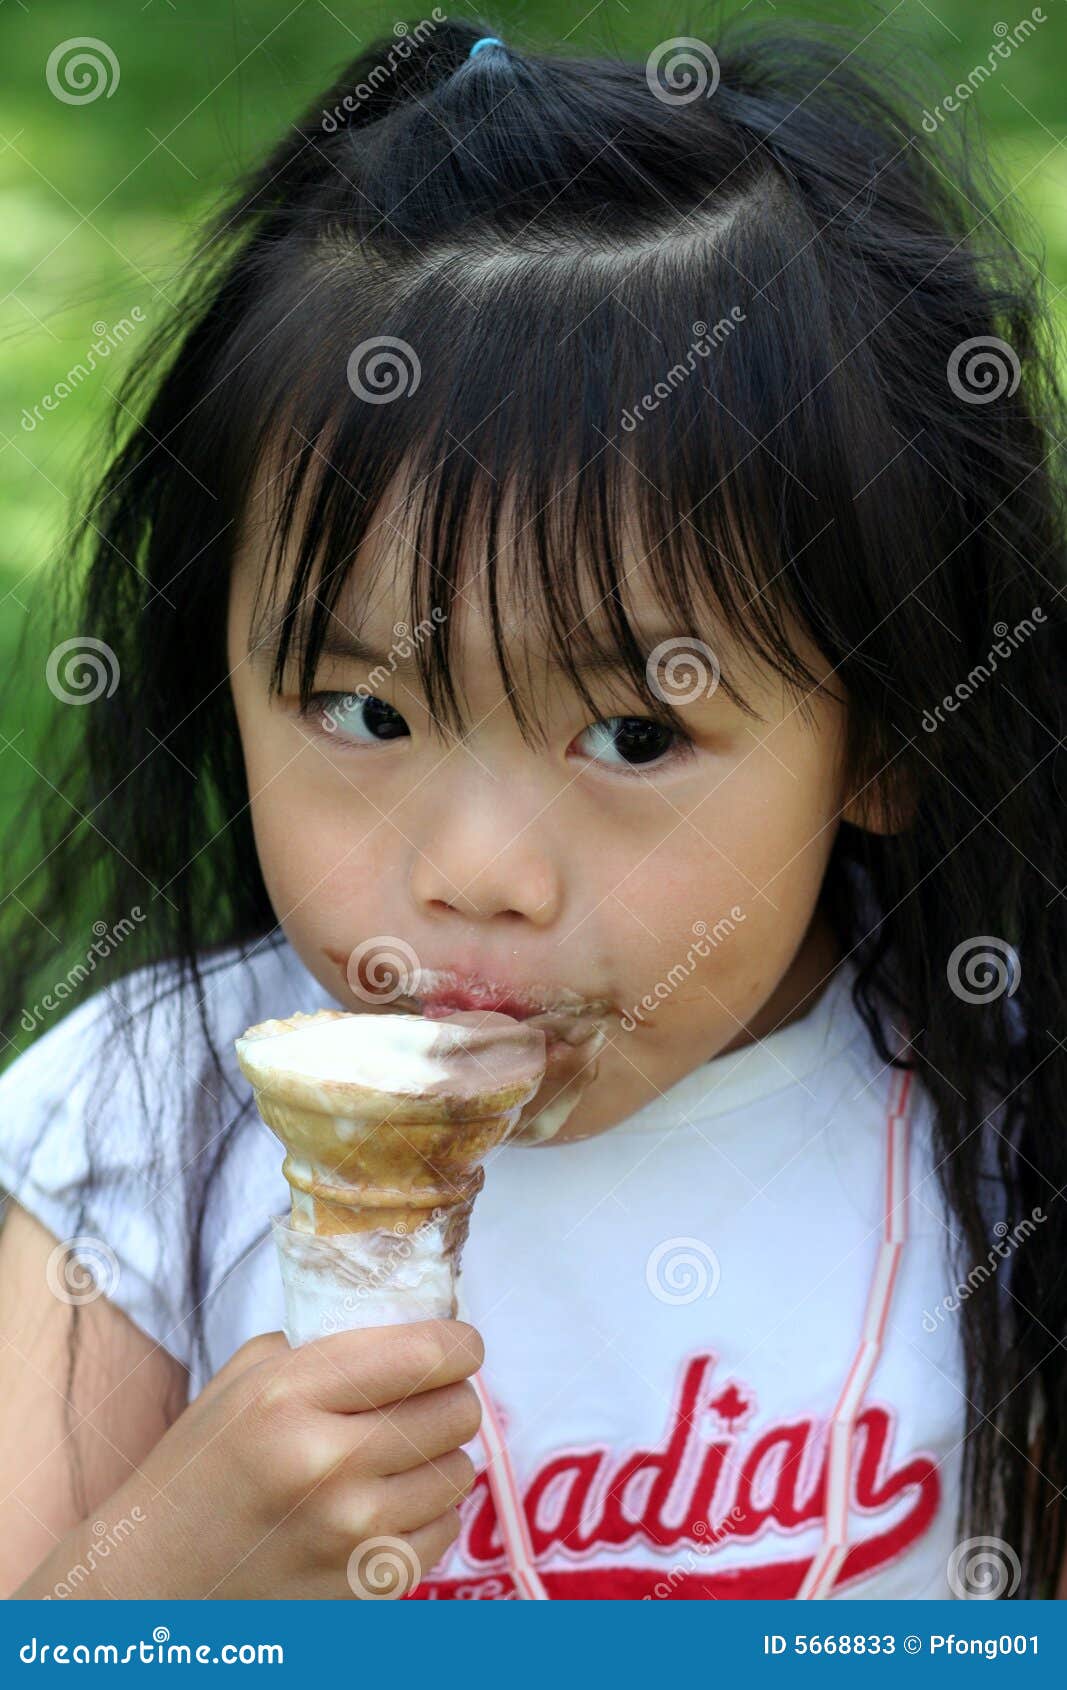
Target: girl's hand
(289,1461)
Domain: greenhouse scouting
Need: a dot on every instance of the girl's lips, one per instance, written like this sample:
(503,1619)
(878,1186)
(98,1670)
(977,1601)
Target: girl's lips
(442,992)
(437,993)
(446,1003)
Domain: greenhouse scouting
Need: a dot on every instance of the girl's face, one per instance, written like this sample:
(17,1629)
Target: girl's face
(654,901)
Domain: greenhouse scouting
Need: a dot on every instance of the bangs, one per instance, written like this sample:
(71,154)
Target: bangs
(544,423)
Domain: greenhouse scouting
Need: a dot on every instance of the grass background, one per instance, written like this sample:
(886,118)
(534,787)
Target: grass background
(99,202)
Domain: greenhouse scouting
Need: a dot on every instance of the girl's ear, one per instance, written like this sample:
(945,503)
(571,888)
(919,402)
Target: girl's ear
(886,806)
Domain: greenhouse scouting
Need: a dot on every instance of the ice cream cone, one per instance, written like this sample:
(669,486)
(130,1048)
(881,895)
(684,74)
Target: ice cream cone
(386,1122)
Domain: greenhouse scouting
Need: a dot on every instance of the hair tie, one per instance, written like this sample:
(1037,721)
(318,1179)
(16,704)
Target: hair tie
(486,41)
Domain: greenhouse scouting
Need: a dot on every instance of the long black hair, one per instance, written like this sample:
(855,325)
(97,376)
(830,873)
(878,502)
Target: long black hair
(756,301)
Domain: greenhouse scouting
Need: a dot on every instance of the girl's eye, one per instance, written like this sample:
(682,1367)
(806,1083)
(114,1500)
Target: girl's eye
(627,744)
(631,742)
(362,719)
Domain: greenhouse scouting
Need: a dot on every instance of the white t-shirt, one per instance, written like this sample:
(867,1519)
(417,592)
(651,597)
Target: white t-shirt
(715,1340)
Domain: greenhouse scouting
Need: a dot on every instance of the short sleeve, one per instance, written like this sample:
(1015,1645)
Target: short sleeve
(85,1147)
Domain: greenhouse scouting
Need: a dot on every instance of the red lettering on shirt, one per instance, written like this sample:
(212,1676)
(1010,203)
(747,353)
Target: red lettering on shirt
(717,1478)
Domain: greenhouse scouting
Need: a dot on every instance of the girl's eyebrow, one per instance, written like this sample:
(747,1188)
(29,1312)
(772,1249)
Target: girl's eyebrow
(336,641)
(345,644)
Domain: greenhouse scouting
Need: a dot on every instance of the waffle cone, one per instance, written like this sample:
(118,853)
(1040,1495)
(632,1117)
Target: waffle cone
(390,1175)
(386,1156)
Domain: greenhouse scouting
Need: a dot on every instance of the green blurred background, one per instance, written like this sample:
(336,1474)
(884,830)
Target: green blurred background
(99,201)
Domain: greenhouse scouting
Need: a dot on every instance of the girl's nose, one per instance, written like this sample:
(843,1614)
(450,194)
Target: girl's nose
(479,854)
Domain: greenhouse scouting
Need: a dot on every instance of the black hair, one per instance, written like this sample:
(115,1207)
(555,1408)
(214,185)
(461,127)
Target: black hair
(787,332)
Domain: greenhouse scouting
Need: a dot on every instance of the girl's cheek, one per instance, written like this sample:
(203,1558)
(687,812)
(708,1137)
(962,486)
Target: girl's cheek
(323,848)
(327,862)
(709,922)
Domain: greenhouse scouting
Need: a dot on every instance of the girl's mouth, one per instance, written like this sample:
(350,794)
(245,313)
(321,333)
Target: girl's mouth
(441,992)
(436,993)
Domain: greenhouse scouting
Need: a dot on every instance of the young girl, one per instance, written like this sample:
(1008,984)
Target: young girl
(591,545)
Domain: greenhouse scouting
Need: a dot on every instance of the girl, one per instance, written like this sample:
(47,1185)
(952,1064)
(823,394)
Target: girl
(592,546)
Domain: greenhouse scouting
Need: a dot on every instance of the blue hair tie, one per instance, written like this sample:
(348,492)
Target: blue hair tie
(486,41)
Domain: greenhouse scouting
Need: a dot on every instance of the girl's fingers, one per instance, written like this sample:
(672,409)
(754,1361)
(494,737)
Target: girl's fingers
(350,1372)
(408,1434)
(409,1500)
